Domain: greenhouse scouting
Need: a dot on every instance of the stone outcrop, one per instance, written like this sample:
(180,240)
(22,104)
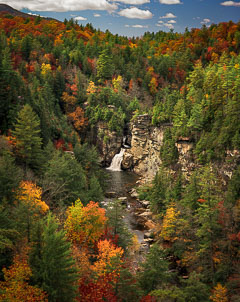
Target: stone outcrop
(143,157)
(108,143)
(185,155)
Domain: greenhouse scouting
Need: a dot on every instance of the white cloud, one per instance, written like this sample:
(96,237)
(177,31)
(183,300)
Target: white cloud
(230,3)
(136,26)
(139,26)
(63,5)
(133,2)
(135,13)
(170,2)
(170,26)
(96,15)
(168,16)
(79,18)
(35,15)
(205,21)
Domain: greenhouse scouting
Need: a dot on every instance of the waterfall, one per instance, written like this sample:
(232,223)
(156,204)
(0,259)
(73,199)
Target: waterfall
(124,143)
(116,161)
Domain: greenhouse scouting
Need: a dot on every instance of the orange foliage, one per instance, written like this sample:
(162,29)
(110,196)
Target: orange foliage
(78,119)
(15,288)
(105,272)
(31,195)
(85,225)
(107,253)
(219,294)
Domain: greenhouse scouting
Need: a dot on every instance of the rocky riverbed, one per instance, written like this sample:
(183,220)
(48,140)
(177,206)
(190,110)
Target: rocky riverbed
(137,214)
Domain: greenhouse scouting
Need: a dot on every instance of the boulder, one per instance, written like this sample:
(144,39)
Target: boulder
(127,162)
(150,225)
(146,214)
(123,200)
(110,194)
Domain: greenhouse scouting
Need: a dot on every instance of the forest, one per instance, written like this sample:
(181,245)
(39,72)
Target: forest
(58,81)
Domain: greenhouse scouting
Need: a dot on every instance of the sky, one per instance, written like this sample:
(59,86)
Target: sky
(134,17)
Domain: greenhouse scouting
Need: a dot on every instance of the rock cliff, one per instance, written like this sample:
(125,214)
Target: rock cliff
(144,155)
(108,143)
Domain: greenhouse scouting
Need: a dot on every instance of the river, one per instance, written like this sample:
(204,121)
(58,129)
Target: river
(119,183)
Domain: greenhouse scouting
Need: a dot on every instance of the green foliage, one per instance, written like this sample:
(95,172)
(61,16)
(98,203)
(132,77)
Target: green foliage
(28,139)
(168,152)
(104,66)
(64,180)
(154,270)
(10,177)
(9,78)
(107,106)
(9,236)
(194,289)
(95,191)
(51,262)
(127,289)
(160,190)
(163,108)
(116,223)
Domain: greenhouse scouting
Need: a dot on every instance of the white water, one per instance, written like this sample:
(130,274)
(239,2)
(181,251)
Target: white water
(125,145)
(116,161)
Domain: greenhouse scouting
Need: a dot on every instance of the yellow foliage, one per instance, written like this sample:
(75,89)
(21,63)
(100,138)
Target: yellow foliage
(219,294)
(135,245)
(117,82)
(153,85)
(91,88)
(45,69)
(15,288)
(217,257)
(85,225)
(31,195)
(151,69)
(132,45)
(169,223)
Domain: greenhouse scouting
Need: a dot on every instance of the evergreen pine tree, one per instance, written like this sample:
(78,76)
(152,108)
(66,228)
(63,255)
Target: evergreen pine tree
(104,66)
(51,262)
(27,134)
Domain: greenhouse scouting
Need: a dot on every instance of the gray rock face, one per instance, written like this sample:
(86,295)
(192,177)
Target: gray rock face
(108,143)
(143,157)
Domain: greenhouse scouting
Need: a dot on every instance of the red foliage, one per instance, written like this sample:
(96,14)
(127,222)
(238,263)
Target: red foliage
(234,237)
(61,144)
(201,200)
(148,299)
(100,290)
